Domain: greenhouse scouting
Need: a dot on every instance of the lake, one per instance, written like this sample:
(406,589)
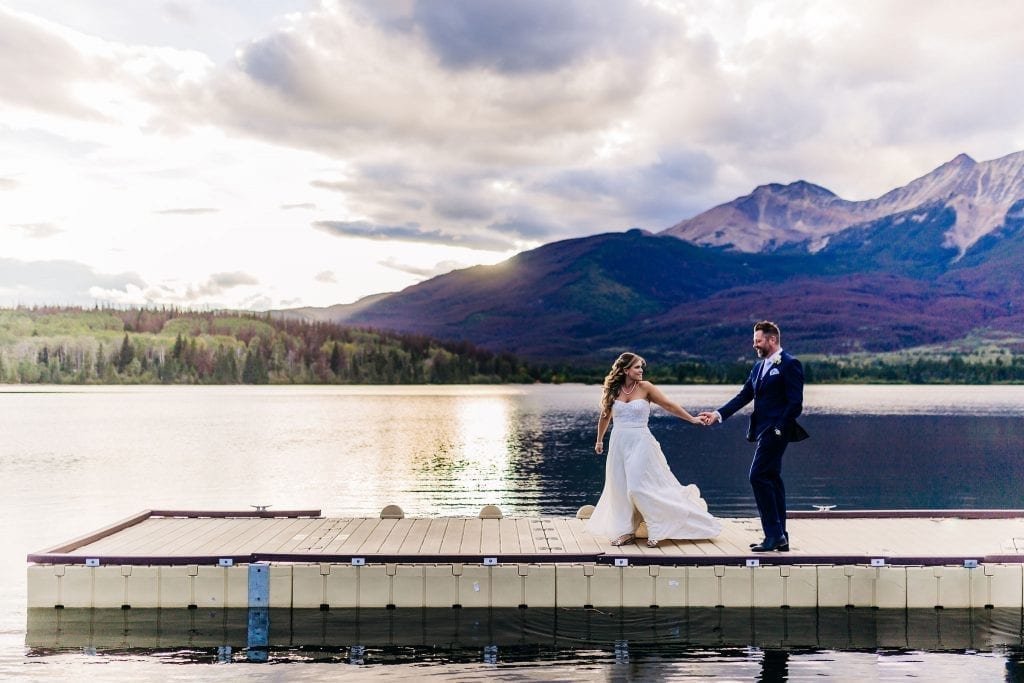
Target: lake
(73,459)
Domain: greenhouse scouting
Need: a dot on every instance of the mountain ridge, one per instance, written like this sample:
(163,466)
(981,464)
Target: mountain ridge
(979,192)
(935,260)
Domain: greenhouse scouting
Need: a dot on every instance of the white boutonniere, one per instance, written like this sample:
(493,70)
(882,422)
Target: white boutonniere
(777,362)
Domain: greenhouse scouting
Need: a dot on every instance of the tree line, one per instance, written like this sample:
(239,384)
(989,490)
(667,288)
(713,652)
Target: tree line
(952,369)
(52,345)
(172,346)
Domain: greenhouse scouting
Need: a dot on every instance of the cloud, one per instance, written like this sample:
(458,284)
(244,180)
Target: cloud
(179,12)
(326,277)
(531,35)
(302,205)
(31,283)
(218,284)
(8,183)
(49,66)
(462,206)
(130,295)
(279,61)
(473,115)
(439,268)
(412,233)
(522,223)
(206,293)
(38,230)
(258,302)
(237,279)
(197,211)
(654,194)
(70,74)
(469,207)
(334,80)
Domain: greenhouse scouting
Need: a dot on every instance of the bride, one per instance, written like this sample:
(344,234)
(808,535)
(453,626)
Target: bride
(638,485)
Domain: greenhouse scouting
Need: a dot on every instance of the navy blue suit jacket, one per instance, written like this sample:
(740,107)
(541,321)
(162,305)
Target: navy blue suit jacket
(778,399)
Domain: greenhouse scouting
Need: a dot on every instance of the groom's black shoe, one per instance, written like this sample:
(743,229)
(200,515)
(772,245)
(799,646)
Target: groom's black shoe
(780,543)
(782,548)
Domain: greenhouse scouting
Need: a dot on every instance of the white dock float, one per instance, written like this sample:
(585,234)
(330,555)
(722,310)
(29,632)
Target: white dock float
(300,559)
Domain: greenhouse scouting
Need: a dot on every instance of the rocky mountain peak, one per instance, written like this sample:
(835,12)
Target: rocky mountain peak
(774,215)
(799,190)
(770,216)
(961,160)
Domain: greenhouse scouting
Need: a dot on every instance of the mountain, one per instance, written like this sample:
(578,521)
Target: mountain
(561,299)
(338,313)
(934,261)
(770,217)
(775,216)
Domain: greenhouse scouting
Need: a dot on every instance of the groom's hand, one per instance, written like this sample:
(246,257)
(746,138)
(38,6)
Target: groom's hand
(708,418)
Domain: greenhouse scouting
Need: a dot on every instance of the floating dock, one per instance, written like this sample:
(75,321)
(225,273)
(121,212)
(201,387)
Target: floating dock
(300,559)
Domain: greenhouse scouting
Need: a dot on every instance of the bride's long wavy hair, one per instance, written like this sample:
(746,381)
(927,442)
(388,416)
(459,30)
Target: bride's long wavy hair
(615,379)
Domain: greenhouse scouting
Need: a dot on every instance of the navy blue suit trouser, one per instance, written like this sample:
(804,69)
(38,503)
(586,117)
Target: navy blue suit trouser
(766,480)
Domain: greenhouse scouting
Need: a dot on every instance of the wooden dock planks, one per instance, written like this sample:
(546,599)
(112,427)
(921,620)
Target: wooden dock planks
(433,536)
(164,538)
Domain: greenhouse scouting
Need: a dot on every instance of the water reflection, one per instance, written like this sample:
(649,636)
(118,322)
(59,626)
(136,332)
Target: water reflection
(482,428)
(765,637)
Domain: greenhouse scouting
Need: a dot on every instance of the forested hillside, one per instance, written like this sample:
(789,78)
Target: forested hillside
(171,346)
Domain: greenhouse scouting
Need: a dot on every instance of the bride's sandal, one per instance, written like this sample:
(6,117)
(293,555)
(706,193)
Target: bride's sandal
(624,539)
(652,543)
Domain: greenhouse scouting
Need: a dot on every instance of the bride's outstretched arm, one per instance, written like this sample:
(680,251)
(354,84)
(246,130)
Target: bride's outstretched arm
(602,427)
(654,395)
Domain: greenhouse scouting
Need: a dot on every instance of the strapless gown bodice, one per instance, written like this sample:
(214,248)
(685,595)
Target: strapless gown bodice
(632,414)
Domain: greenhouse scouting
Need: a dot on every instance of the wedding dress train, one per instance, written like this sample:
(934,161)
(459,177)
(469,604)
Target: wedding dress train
(639,486)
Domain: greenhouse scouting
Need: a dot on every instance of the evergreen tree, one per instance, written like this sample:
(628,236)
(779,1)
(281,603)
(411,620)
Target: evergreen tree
(225,367)
(255,370)
(179,347)
(126,355)
(336,360)
(101,361)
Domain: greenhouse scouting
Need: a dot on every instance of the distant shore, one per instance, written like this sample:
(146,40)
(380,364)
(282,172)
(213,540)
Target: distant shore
(169,346)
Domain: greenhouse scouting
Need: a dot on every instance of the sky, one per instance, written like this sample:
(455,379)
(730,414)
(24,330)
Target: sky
(267,154)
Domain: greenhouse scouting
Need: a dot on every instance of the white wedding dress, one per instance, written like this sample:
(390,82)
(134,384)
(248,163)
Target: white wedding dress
(639,486)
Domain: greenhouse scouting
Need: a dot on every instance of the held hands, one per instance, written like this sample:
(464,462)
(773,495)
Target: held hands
(599,447)
(708,418)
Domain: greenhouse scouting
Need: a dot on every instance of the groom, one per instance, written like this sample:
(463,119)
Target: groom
(776,385)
